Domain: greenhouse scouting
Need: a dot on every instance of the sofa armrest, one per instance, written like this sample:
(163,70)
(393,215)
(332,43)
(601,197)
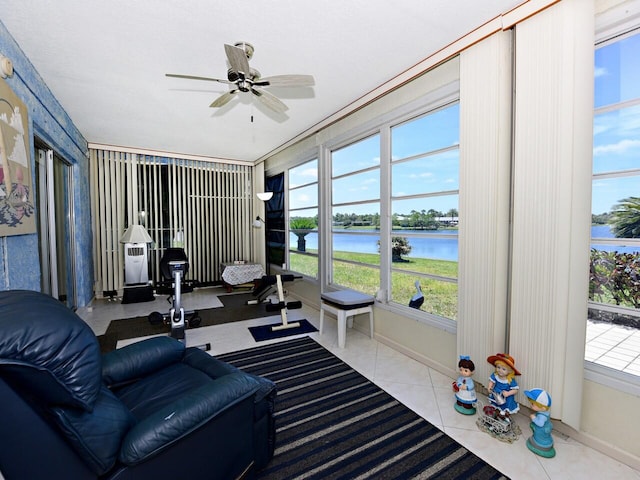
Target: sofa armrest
(140,359)
(175,421)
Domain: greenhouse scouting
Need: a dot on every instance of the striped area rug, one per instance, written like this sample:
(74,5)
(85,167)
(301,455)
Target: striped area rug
(333,423)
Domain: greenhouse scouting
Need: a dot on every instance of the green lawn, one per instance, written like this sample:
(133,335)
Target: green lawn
(441,298)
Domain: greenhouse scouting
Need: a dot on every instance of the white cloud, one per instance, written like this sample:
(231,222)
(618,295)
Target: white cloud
(310,173)
(600,128)
(600,72)
(621,147)
(421,175)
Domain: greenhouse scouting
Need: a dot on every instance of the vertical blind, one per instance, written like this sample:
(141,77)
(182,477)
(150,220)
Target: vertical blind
(551,222)
(485,156)
(210,203)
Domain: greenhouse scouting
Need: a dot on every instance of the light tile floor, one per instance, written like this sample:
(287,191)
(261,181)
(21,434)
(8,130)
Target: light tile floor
(421,388)
(613,346)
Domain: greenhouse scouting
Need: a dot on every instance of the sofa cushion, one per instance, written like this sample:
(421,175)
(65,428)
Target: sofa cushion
(151,394)
(201,360)
(189,411)
(48,351)
(97,435)
(140,359)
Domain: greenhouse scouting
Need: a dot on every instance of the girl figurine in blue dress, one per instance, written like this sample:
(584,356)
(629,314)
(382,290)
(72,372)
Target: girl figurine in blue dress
(503,386)
(464,387)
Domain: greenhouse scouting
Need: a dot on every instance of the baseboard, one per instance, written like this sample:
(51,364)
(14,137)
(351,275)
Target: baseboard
(448,371)
(584,438)
(599,445)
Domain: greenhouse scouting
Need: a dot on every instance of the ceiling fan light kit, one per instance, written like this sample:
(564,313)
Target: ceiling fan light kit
(244,79)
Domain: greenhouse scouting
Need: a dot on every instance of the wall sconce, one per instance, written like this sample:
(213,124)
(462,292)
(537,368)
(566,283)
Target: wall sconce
(257,223)
(264,196)
(6,67)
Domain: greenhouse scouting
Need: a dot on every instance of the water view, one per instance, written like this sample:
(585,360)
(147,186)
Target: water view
(432,247)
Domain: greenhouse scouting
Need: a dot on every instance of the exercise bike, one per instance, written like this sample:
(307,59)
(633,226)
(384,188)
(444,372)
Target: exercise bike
(175,266)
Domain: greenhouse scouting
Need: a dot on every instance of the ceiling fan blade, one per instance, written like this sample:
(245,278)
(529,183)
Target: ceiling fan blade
(269,100)
(237,59)
(286,81)
(223,99)
(193,77)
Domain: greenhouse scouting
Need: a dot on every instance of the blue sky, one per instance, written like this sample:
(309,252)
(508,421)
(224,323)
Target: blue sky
(616,139)
(616,148)
(433,138)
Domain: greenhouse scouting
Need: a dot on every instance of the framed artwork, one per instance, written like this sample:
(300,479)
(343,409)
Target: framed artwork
(16,191)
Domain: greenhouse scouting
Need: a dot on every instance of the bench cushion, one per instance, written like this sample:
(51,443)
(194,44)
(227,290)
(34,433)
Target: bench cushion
(347,299)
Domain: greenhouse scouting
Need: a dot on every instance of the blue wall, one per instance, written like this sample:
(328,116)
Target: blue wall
(19,255)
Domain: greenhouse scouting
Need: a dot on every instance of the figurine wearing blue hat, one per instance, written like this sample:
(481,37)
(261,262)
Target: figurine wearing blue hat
(541,442)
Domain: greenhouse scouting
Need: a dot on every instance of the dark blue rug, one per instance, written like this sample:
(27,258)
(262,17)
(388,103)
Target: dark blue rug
(264,332)
(331,422)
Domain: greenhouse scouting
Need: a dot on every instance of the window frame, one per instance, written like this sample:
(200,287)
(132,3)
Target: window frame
(306,159)
(331,282)
(612,26)
(437,99)
(424,195)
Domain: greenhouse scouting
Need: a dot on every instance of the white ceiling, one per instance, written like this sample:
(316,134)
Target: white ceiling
(106,61)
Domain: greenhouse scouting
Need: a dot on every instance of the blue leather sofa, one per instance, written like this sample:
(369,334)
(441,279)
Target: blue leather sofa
(151,410)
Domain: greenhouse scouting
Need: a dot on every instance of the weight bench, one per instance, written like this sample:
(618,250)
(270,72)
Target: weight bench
(269,284)
(344,304)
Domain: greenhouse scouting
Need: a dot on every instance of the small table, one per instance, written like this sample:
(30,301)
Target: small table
(234,274)
(344,304)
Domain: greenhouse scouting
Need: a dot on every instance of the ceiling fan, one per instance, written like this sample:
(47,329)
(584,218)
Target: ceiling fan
(242,78)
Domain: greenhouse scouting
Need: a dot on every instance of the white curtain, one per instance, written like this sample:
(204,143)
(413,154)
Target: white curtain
(209,202)
(485,155)
(525,197)
(552,201)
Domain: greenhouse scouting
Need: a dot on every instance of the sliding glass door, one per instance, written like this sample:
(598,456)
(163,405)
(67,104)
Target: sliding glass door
(55,228)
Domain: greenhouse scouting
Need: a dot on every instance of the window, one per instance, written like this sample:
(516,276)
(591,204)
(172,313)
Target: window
(355,213)
(614,287)
(424,206)
(303,219)
(394,210)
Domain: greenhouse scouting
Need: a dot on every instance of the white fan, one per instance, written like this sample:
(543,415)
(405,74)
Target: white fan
(242,78)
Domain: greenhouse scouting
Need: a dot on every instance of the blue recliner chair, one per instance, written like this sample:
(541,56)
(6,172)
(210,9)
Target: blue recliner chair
(151,410)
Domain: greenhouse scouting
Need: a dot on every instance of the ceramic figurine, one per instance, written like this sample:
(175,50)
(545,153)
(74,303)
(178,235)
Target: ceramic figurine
(541,442)
(503,386)
(418,299)
(502,390)
(464,387)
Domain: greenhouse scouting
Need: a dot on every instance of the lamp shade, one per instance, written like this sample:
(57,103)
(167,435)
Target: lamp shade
(136,234)
(265,196)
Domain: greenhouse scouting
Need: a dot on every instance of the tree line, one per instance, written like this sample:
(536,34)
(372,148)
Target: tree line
(419,220)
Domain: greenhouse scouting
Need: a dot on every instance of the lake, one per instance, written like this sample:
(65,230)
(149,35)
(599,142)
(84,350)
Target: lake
(432,247)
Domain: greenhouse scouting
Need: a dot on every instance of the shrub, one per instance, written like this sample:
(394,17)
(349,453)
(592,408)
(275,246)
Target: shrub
(399,246)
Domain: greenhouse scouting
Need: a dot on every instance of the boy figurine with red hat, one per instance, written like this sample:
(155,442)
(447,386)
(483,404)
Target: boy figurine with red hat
(503,386)
(541,442)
